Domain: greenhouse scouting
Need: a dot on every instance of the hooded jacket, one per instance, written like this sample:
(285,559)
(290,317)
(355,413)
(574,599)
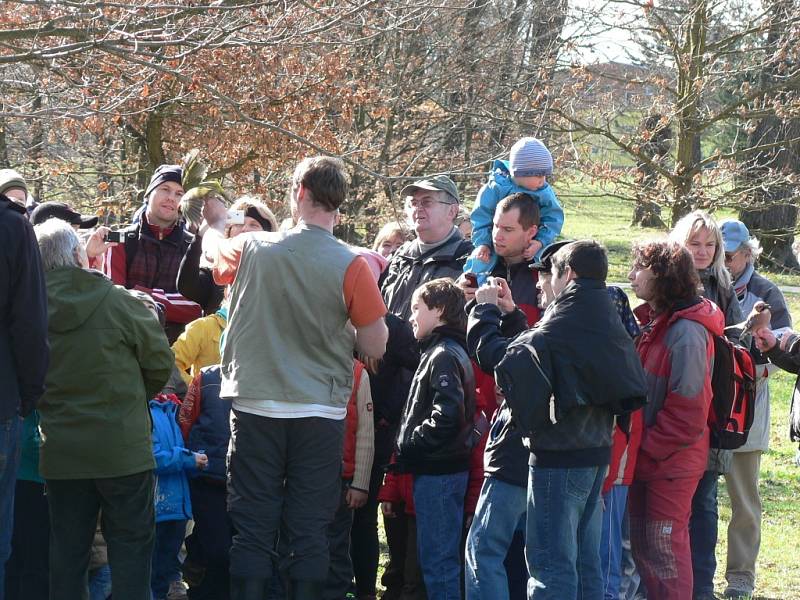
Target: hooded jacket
(23,314)
(500,185)
(173,462)
(678,356)
(587,365)
(440,410)
(109,356)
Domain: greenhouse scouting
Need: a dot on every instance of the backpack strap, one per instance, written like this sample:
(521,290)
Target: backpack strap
(131,244)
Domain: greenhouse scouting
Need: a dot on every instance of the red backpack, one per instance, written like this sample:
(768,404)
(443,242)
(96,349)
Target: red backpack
(733,385)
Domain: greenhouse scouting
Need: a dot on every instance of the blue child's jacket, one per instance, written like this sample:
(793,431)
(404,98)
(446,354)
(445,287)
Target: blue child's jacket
(173,461)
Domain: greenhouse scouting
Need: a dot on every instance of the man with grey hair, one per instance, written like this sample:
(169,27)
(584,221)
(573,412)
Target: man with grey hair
(109,357)
(23,349)
(744,530)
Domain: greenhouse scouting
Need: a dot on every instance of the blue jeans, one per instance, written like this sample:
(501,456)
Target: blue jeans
(500,512)
(703,532)
(100,583)
(9,462)
(166,565)
(614,502)
(439,504)
(563,542)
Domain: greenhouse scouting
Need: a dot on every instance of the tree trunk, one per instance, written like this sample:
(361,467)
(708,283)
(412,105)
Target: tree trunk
(4,162)
(771,210)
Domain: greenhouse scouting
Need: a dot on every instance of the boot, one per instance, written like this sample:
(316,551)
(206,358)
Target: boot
(305,589)
(248,588)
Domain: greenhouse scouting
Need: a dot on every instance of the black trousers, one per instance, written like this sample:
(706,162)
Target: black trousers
(128,524)
(284,481)
(27,567)
(364,548)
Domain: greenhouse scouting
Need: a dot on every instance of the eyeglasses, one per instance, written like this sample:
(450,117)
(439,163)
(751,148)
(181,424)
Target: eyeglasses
(423,204)
(729,256)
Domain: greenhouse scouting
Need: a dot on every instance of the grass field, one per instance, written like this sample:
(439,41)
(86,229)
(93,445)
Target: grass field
(778,577)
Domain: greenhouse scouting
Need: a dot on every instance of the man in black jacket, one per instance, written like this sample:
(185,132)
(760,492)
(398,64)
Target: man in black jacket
(584,370)
(23,348)
(431,206)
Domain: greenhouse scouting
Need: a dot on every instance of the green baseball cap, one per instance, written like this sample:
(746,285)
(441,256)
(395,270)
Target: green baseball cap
(440,183)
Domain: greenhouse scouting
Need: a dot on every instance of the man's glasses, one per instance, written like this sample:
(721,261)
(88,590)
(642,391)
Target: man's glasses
(423,204)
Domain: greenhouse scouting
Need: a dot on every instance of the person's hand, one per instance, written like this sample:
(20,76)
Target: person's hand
(200,460)
(387,508)
(97,245)
(215,214)
(531,250)
(483,252)
(355,498)
(765,339)
(466,287)
(371,363)
(488,293)
(505,301)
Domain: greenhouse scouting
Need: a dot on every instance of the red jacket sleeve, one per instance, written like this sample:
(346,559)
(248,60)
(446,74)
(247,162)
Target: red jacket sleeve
(115,264)
(190,408)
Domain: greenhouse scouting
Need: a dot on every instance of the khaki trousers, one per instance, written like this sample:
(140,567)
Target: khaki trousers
(744,529)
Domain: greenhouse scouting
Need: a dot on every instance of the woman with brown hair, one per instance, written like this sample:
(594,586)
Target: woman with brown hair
(677,354)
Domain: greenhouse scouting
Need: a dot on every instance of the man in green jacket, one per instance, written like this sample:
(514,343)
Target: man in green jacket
(108,357)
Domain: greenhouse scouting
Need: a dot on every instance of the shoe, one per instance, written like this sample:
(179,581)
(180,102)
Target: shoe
(177,591)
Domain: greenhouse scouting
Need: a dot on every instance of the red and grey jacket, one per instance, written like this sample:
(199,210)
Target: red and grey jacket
(677,354)
(351,425)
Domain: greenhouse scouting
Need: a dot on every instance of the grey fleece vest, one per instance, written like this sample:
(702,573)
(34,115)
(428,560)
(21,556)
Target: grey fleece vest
(288,339)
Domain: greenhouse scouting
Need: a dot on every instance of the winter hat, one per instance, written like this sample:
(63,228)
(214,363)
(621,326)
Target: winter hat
(9,178)
(164,173)
(530,158)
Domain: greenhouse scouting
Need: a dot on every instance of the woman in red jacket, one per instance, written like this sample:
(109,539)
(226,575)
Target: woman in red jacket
(677,354)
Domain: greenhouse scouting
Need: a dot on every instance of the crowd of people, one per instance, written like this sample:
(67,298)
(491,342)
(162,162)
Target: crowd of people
(225,409)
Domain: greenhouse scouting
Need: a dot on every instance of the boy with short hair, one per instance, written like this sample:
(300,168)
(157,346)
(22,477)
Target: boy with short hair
(526,171)
(434,439)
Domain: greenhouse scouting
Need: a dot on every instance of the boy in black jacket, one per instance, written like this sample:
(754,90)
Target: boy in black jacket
(433,442)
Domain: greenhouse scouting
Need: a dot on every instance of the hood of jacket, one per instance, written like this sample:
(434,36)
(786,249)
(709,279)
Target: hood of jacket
(73,294)
(700,310)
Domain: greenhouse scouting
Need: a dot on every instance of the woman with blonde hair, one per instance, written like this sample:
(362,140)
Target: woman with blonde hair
(195,282)
(390,237)
(700,234)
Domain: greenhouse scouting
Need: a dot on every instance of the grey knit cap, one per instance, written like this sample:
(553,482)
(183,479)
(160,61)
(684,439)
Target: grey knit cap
(529,158)
(9,178)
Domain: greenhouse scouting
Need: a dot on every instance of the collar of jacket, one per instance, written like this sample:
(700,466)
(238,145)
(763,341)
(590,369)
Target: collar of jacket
(455,247)
(171,235)
(6,202)
(444,332)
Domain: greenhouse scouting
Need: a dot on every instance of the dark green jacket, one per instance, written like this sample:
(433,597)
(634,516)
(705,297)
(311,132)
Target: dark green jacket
(109,356)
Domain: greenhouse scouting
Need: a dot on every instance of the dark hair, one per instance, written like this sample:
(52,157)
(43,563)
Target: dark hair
(586,258)
(445,294)
(527,205)
(675,278)
(325,178)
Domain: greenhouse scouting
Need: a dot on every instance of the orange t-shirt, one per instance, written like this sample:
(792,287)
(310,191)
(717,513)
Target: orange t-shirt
(360,290)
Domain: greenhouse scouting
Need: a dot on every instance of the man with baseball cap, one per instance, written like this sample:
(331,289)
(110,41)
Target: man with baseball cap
(13,186)
(744,529)
(431,206)
(152,249)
